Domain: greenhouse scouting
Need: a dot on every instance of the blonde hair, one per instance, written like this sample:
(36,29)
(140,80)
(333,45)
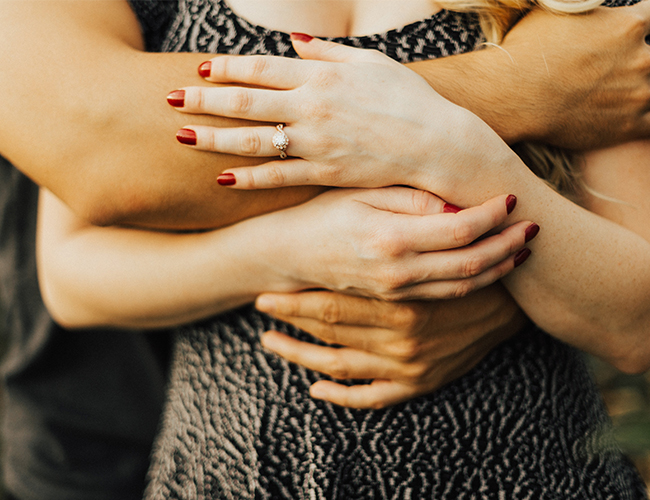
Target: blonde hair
(558,167)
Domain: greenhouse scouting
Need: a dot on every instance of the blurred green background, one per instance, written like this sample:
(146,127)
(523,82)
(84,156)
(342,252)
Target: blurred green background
(628,401)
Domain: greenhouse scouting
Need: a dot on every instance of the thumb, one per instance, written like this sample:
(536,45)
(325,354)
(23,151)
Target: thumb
(309,47)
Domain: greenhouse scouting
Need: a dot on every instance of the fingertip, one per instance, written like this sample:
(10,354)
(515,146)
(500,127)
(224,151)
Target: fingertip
(301,37)
(205,68)
(448,208)
(186,136)
(521,256)
(318,391)
(271,340)
(531,231)
(176,98)
(265,303)
(226,179)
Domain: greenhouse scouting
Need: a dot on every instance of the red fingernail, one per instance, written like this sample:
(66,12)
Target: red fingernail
(226,180)
(205,68)
(511,202)
(186,136)
(448,208)
(521,256)
(531,231)
(176,98)
(302,37)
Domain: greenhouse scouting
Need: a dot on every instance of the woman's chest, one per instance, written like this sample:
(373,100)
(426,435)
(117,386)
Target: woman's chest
(333,18)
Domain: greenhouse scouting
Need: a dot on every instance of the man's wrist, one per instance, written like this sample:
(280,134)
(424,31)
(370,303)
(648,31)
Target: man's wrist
(486,83)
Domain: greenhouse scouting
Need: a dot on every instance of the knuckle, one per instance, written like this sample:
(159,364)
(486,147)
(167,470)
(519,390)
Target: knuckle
(377,404)
(240,101)
(393,278)
(274,176)
(416,371)
(407,350)
(338,369)
(462,288)
(331,312)
(258,67)
(406,317)
(422,201)
(473,266)
(200,99)
(250,143)
(462,234)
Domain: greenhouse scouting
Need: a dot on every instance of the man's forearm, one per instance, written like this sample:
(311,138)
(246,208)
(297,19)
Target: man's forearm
(87,118)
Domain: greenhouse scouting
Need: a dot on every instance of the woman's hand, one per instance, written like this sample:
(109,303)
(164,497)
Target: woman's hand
(394,243)
(407,348)
(355,118)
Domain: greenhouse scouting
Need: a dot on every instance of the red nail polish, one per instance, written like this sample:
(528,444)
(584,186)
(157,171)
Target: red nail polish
(448,208)
(186,136)
(531,232)
(302,37)
(511,202)
(226,180)
(176,98)
(521,256)
(205,68)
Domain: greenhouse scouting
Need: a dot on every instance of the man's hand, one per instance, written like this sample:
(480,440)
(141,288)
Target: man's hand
(577,81)
(408,348)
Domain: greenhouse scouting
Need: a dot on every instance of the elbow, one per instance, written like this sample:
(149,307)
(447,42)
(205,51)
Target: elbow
(633,363)
(61,309)
(632,352)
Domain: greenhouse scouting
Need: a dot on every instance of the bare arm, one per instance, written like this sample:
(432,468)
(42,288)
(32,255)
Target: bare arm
(94,276)
(88,119)
(553,80)
(575,287)
(86,81)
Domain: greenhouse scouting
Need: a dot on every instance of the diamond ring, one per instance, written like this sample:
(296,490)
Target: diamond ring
(281,141)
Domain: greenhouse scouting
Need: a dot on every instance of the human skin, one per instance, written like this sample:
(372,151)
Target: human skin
(594,308)
(135,172)
(137,202)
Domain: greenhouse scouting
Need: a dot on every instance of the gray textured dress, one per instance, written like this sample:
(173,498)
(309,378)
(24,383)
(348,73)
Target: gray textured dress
(526,423)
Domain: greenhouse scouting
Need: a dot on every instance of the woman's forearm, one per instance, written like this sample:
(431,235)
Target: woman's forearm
(576,283)
(93,276)
(588,282)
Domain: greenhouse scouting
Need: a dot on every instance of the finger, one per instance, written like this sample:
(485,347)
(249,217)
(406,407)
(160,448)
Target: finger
(309,47)
(335,308)
(241,141)
(405,200)
(274,174)
(444,231)
(376,395)
(461,287)
(233,102)
(264,71)
(339,363)
(471,260)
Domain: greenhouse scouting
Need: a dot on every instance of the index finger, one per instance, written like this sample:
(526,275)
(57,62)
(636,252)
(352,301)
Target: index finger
(336,308)
(274,72)
(376,395)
